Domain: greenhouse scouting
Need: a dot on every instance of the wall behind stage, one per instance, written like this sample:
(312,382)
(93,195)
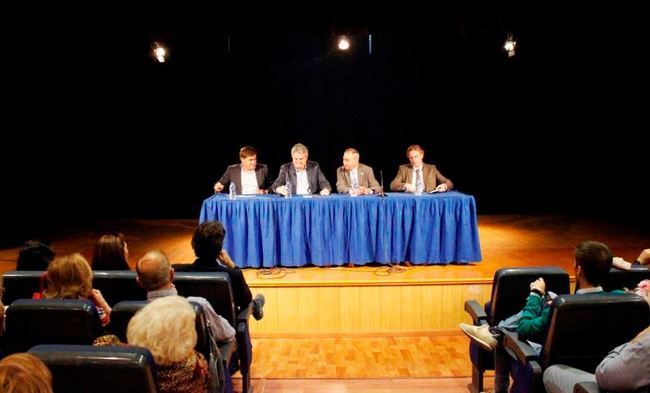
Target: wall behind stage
(102,131)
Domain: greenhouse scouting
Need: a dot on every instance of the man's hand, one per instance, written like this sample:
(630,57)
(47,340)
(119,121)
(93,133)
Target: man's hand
(538,284)
(441,188)
(218,187)
(282,190)
(325,192)
(408,187)
(225,258)
(644,257)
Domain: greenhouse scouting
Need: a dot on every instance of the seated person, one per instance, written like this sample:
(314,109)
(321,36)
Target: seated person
(355,178)
(24,373)
(591,265)
(111,253)
(249,177)
(302,176)
(625,369)
(156,275)
(207,243)
(409,174)
(34,255)
(166,327)
(70,277)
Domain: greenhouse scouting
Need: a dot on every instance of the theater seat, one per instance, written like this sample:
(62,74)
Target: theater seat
(50,321)
(20,285)
(510,288)
(583,329)
(88,369)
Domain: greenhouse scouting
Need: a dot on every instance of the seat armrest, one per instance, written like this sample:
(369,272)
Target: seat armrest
(586,387)
(518,349)
(245,313)
(474,309)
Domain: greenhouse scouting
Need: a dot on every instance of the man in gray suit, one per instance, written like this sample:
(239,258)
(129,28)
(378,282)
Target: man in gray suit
(305,176)
(249,177)
(407,174)
(355,178)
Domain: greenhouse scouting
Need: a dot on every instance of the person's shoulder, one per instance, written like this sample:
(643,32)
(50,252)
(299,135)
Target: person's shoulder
(364,167)
(340,169)
(312,164)
(233,167)
(405,167)
(430,166)
(260,167)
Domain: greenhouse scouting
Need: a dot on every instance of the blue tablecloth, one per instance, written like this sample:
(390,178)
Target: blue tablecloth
(269,230)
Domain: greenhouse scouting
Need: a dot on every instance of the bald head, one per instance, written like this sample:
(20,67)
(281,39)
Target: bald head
(154,270)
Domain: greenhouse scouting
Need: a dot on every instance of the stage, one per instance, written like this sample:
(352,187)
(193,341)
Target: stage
(371,300)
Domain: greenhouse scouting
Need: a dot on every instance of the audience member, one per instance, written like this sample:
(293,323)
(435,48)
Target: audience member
(70,277)
(207,243)
(625,369)
(166,327)
(592,263)
(111,253)
(156,276)
(34,255)
(24,373)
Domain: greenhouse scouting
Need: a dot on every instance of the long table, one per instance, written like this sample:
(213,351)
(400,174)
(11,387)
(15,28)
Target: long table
(270,230)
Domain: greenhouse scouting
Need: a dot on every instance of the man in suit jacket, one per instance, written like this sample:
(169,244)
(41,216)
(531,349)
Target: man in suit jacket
(355,178)
(407,174)
(305,176)
(249,177)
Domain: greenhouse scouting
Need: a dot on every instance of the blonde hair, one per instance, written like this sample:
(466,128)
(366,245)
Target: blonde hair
(24,373)
(414,147)
(69,277)
(166,328)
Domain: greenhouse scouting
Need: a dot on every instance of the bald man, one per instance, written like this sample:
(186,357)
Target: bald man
(353,173)
(155,275)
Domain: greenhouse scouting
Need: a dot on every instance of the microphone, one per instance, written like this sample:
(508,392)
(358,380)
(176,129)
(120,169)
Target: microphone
(381,184)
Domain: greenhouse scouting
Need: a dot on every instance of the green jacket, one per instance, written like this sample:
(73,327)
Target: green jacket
(536,316)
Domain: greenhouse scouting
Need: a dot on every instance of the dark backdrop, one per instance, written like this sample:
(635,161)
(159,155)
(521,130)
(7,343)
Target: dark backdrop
(95,128)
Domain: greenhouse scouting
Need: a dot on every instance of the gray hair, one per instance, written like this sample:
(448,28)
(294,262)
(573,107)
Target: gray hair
(299,148)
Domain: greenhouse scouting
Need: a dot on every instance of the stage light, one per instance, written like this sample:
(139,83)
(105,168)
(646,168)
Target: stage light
(344,43)
(510,45)
(159,52)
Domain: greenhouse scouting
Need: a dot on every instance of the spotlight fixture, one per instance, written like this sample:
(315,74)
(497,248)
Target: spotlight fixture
(344,43)
(510,45)
(159,52)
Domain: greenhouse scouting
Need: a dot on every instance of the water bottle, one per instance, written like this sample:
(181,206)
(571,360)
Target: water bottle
(232,191)
(288,186)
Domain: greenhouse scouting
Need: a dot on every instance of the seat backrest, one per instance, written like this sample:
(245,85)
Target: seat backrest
(215,287)
(125,310)
(584,328)
(118,285)
(619,279)
(84,368)
(50,321)
(20,285)
(511,287)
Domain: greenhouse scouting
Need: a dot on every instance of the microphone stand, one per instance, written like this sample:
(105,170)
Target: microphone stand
(381,178)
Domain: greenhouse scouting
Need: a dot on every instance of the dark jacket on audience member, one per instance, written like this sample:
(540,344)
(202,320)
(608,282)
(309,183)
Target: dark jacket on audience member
(241,293)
